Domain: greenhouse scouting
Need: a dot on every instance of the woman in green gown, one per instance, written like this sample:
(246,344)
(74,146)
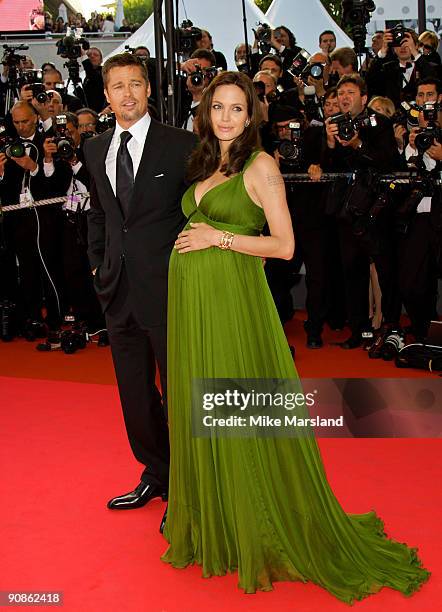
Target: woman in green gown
(261,506)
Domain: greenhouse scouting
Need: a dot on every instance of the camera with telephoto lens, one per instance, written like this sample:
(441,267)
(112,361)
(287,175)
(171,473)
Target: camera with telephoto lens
(263,35)
(197,77)
(105,122)
(356,15)
(71,45)
(290,149)
(186,37)
(347,126)
(11,147)
(398,33)
(65,144)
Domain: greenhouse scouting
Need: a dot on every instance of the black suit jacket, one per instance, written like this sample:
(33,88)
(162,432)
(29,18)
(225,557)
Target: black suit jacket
(144,240)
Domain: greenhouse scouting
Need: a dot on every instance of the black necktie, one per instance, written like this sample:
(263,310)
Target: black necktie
(125,173)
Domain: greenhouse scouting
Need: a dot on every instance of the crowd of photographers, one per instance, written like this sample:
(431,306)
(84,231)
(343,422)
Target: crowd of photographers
(371,244)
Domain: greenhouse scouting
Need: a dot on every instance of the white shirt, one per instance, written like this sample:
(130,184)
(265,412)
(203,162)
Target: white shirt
(430,164)
(191,119)
(135,147)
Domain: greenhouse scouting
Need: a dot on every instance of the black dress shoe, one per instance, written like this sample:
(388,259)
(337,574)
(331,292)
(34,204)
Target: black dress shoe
(314,341)
(137,498)
(163,520)
(353,342)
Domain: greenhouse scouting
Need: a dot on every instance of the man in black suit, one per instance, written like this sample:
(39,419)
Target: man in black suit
(138,179)
(33,234)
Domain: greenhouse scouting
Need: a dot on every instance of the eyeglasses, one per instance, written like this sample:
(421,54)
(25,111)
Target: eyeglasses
(427,47)
(92,124)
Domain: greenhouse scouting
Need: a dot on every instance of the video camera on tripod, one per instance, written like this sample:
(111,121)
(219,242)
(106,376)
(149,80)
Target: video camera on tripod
(356,14)
(263,35)
(186,37)
(10,57)
(71,45)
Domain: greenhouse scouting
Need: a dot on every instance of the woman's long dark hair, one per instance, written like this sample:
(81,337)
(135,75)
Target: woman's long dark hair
(206,159)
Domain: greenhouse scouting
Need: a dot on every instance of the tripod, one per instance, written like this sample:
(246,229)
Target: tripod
(75,80)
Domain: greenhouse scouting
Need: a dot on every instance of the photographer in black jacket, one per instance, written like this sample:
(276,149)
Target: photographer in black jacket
(420,241)
(366,147)
(80,297)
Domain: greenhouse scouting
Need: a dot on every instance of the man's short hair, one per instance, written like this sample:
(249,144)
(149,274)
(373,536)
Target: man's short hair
(121,60)
(204,54)
(25,105)
(346,57)
(52,71)
(329,32)
(430,81)
(331,92)
(271,58)
(90,111)
(355,79)
(71,118)
(142,48)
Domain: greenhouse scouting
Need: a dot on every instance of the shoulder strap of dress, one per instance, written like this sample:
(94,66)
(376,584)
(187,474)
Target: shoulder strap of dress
(251,159)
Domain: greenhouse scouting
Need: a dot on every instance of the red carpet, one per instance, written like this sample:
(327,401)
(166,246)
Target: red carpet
(64,453)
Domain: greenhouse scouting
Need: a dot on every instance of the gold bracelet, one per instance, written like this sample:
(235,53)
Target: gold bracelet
(226,240)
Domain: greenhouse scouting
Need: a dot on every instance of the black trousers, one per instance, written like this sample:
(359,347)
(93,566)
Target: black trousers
(420,262)
(31,231)
(135,351)
(79,291)
(357,252)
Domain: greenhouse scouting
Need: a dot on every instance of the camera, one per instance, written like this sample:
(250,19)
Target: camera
(290,149)
(10,57)
(299,63)
(197,77)
(426,136)
(272,96)
(71,45)
(11,147)
(347,126)
(105,122)
(65,144)
(263,37)
(406,115)
(72,340)
(186,37)
(430,111)
(356,15)
(398,33)
(34,78)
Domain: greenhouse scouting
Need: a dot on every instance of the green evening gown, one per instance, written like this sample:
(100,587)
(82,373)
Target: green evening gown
(259,506)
